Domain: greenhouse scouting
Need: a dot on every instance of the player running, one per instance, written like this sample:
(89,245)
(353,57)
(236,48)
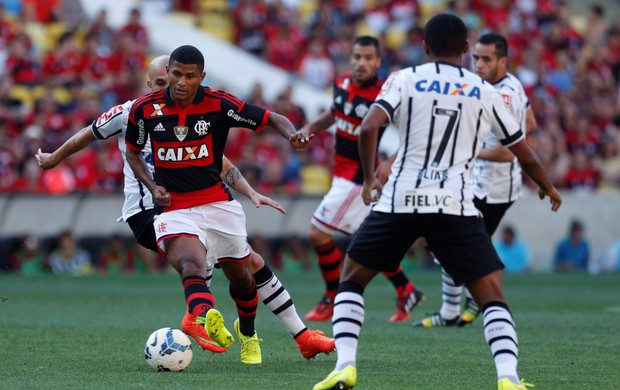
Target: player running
(443,113)
(139,212)
(496,175)
(342,209)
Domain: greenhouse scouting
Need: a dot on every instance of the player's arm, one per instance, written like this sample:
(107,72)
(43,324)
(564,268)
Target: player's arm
(497,154)
(533,167)
(233,178)
(77,142)
(530,120)
(142,173)
(367,144)
(324,121)
(297,139)
(384,169)
(502,154)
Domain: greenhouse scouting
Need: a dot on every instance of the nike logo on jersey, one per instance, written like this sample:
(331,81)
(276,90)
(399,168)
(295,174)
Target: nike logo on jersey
(447,88)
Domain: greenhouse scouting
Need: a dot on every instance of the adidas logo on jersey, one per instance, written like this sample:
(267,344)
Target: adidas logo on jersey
(160,127)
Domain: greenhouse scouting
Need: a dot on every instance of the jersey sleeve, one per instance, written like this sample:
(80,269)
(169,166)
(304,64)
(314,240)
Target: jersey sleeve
(136,135)
(503,123)
(241,114)
(112,122)
(389,97)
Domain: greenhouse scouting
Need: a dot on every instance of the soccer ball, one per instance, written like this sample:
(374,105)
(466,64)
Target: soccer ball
(168,349)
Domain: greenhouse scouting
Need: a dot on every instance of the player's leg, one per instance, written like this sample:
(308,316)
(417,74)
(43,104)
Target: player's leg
(143,229)
(329,258)
(277,299)
(335,214)
(499,327)
(187,255)
(448,314)
(479,267)
(379,245)
(226,236)
(407,296)
(492,215)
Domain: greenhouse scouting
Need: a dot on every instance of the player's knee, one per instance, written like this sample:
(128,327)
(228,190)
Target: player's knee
(317,237)
(255,262)
(238,275)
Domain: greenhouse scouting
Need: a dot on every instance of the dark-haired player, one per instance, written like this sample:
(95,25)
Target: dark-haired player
(187,125)
(342,209)
(139,212)
(443,113)
(496,175)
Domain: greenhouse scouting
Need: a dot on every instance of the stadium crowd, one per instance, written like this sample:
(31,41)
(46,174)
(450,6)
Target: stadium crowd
(59,72)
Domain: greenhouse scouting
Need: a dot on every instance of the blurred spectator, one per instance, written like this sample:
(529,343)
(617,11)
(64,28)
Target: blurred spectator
(147,261)
(296,256)
(573,252)
(68,258)
(61,66)
(101,31)
(136,30)
(513,252)
(283,47)
(581,175)
(284,105)
(596,26)
(116,257)
(29,258)
(411,53)
(44,11)
(250,36)
(610,261)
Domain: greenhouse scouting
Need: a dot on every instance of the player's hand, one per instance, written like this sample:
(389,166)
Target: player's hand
(383,172)
(161,196)
(45,160)
(300,139)
(371,191)
(554,197)
(260,199)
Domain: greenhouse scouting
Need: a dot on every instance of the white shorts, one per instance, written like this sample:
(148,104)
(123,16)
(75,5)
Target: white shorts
(342,208)
(219,226)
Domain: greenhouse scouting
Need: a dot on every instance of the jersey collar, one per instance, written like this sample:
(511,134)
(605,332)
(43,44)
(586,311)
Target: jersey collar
(500,80)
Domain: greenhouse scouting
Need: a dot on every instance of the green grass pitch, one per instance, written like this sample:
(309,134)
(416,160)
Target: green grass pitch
(78,333)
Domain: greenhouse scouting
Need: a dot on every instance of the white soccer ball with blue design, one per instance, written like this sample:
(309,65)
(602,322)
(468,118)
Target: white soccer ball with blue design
(168,349)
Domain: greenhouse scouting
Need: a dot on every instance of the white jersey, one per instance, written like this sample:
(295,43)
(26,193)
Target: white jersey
(114,122)
(443,112)
(500,182)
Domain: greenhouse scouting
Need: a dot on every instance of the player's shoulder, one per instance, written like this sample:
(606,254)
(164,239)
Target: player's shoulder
(223,96)
(344,78)
(149,98)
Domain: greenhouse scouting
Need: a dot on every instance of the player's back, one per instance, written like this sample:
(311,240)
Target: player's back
(443,112)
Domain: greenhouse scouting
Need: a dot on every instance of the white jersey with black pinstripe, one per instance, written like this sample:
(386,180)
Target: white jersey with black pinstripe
(500,182)
(114,122)
(443,112)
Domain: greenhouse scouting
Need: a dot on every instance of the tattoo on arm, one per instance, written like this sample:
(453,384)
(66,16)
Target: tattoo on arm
(232,177)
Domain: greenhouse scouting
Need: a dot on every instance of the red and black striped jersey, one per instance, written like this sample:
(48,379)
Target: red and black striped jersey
(188,143)
(350,105)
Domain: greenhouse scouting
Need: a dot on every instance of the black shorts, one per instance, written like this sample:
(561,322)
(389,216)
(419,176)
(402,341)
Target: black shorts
(141,225)
(461,244)
(492,213)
